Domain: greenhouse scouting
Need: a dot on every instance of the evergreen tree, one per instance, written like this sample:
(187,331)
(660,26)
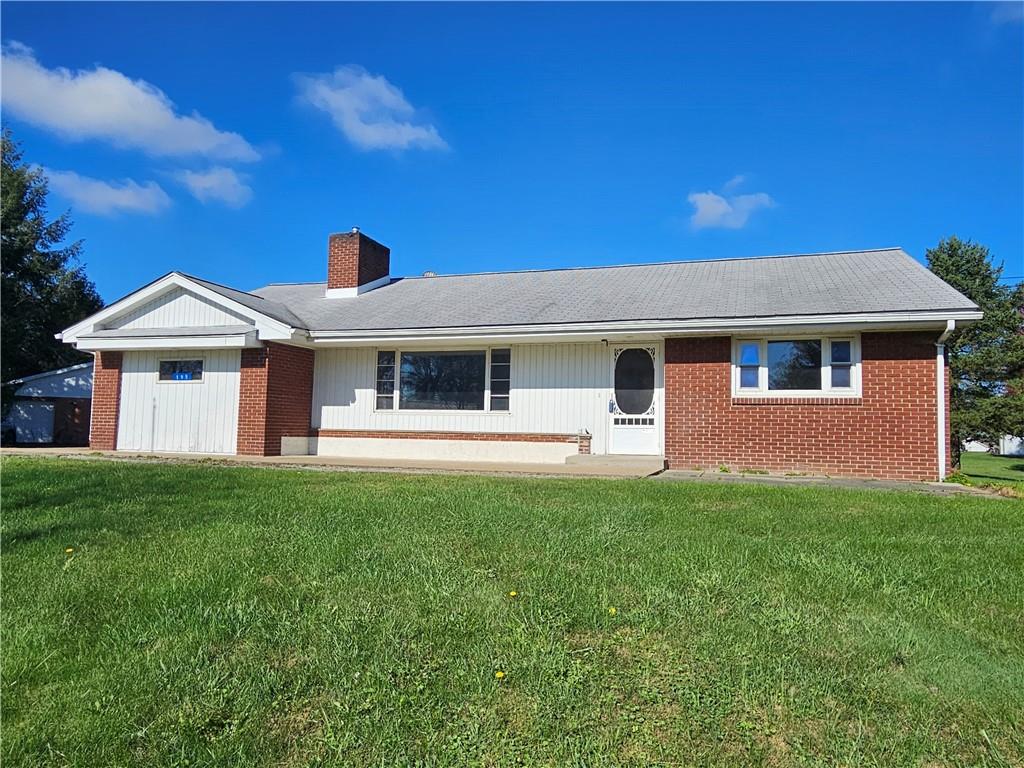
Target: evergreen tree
(986,358)
(44,287)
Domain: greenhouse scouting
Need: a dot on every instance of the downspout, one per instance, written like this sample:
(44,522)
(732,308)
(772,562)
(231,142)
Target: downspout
(940,399)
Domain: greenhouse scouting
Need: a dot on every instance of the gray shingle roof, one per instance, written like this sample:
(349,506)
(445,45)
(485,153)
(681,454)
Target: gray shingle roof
(267,307)
(886,280)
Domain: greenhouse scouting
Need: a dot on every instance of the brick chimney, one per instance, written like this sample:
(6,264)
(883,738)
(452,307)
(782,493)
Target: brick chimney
(355,264)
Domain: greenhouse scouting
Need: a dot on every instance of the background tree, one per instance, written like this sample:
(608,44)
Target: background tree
(986,359)
(44,287)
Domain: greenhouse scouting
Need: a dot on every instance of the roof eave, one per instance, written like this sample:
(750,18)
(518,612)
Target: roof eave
(701,326)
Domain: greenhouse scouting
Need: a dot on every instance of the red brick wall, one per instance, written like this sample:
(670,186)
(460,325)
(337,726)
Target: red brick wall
(275,397)
(889,432)
(106,401)
(353,259)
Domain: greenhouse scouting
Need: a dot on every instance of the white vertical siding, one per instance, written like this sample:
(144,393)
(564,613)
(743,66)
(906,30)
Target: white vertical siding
(556,388)
(197,416)
(178,308)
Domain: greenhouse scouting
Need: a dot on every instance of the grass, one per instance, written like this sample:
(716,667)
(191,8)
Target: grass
(213,615)
(987,471)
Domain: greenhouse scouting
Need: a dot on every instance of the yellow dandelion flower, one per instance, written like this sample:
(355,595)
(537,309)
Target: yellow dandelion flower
(499,675)
(69,550)
(513,594)
(612,611)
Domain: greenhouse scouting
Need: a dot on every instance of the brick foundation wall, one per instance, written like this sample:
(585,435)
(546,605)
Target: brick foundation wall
(275,397)
(889,432)
(353,259)
(582,441)
(106,401)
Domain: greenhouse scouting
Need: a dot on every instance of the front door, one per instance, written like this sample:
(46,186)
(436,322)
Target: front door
(634,408)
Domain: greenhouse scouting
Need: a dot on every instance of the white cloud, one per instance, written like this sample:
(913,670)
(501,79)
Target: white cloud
(104,104)
(219,184)
(107,198)
(370,111)
(734,182)
(711,210)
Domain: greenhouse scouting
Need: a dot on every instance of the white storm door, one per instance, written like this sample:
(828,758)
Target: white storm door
(634,409)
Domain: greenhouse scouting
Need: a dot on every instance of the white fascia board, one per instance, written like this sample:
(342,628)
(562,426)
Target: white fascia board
(646,328)
(232,341)
(268,327)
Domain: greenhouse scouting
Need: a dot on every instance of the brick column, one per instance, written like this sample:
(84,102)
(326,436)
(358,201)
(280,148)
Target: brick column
(275,397)
(106,401)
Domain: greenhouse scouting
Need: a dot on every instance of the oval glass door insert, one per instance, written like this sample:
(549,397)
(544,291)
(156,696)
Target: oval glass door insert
(634,380)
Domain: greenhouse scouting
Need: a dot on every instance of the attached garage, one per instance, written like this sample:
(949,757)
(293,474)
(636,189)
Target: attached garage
(179,401)
(170,366)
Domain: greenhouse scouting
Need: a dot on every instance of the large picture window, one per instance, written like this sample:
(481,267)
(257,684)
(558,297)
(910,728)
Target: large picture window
(442,381)
(780,367)
(448,380)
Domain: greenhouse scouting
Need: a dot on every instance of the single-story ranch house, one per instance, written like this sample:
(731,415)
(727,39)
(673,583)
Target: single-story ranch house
(826,363)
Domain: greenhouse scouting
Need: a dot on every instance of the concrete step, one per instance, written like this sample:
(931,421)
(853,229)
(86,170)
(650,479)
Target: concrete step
(639,464)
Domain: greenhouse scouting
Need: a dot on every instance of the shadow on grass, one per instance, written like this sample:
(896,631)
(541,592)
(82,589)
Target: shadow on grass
(999,478)
(95,503)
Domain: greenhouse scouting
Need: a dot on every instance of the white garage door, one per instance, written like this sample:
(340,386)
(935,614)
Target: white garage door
(185,401)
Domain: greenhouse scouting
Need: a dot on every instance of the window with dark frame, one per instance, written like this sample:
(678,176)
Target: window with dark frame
(181,370)
(442,381)
(794,364)
(386,380)
(501,378)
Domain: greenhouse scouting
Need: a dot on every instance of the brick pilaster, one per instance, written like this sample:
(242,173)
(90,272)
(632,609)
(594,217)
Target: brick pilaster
(106,401)
(275,397)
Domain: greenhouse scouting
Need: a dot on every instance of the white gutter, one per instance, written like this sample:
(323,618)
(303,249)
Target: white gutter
(940,398)
(619,327)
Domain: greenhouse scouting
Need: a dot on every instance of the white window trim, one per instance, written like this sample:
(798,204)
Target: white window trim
(486,410)
(177,358)
(762,391)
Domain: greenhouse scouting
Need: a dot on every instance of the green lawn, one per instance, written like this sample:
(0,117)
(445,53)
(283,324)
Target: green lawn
(985,470)
(213,615)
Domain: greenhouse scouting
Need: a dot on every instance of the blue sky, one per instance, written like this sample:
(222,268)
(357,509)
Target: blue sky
(228,140)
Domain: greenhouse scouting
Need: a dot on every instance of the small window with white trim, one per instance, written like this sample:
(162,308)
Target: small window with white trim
(385,380)
(796,366)
(181,370)
(501,378)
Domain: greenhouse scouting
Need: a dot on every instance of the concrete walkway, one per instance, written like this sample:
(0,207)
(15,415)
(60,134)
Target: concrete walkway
(608,467)
(634,467)
(936,489)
